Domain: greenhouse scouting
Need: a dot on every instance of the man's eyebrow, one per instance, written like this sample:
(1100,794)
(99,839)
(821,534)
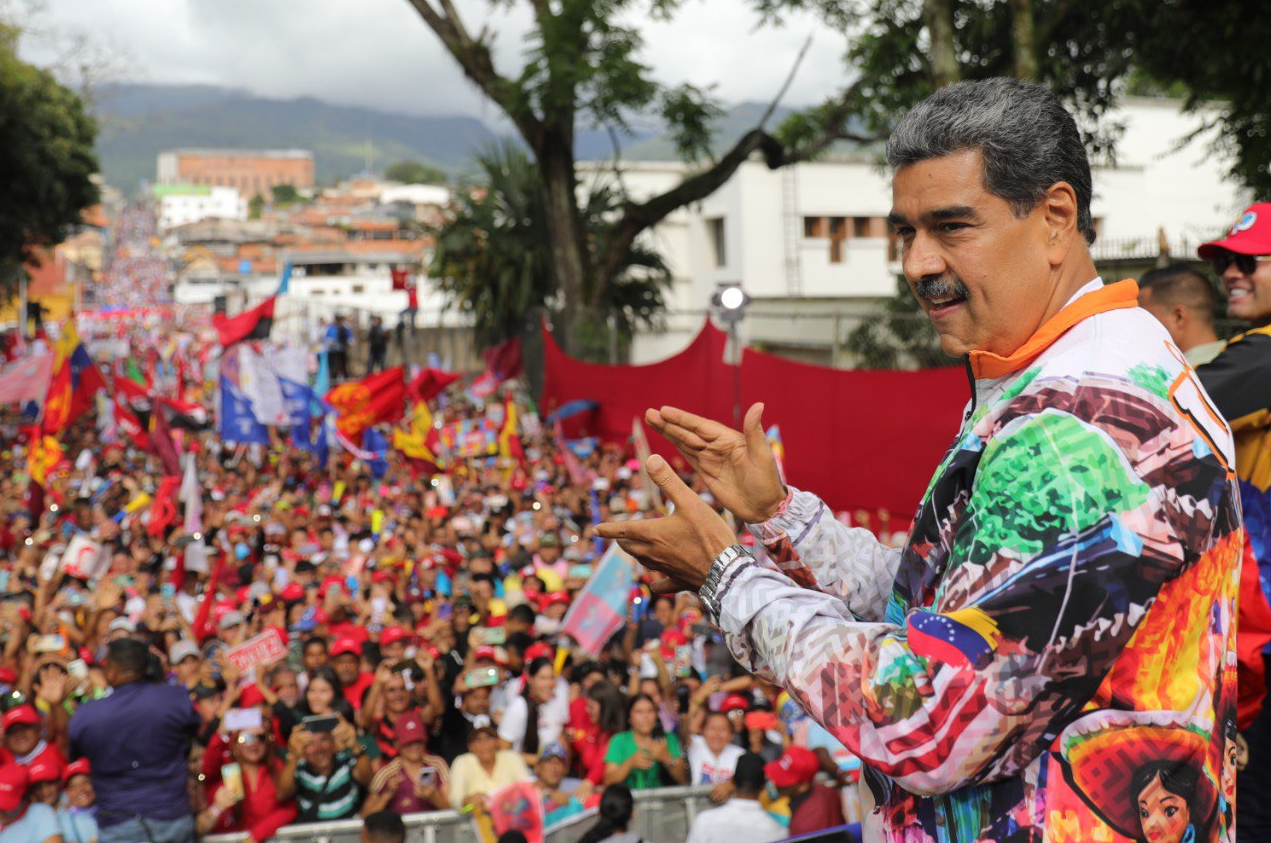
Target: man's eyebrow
(937,215)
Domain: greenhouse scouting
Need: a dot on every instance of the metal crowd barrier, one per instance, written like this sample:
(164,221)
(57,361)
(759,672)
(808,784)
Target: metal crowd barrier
(662,815)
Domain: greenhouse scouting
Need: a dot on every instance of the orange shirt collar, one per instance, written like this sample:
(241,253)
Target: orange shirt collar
(987,365)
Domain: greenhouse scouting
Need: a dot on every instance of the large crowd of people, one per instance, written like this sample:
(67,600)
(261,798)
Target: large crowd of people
(423,662)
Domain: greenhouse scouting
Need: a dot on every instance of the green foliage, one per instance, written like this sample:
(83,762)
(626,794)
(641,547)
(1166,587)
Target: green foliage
(254,206)
(284,194)
(415,172)
(46,159)
(493,256)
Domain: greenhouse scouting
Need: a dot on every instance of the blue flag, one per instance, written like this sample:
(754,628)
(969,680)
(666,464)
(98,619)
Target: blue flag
(238,422)
(322,448)
(285,285)
(297,397)
(322,383)
(374,441)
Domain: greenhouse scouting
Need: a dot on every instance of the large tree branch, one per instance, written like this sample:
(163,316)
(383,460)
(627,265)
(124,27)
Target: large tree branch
(638,217)
(473,55)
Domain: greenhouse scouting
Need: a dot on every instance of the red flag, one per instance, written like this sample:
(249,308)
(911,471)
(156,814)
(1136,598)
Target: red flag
(376,398)
(253,324)
(430,383)
(504,360)
(126,420)
(161,443)
(164,509)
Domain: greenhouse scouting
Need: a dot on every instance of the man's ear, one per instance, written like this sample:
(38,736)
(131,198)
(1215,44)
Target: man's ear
(1060,209)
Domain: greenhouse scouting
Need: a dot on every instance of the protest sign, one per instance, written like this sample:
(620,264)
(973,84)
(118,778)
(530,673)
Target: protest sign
(260,649)
(84,559)
(601,607)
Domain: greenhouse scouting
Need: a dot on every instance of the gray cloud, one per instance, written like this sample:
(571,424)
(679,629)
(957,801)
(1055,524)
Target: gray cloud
(380,54)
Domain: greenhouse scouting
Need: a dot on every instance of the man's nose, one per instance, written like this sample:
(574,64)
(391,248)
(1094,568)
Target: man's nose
(922,259)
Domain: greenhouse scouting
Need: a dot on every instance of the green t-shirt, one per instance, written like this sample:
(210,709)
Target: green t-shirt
(622,746)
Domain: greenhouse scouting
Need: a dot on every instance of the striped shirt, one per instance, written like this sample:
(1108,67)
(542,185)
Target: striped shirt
(332,797)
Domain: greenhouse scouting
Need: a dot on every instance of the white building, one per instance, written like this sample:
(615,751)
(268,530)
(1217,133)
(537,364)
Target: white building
(812,239)
(180,204)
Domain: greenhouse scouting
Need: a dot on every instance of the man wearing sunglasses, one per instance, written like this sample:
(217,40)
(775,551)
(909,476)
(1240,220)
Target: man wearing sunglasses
(1239,382)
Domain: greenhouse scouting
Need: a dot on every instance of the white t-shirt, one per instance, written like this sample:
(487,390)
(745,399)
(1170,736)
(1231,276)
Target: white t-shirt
(705,767)
(736,821)
(552,718)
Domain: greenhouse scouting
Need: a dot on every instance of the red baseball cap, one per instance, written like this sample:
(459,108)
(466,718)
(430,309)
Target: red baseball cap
(796,765)
(409,729)
(13,783)
(486,653)
(23,715)
(250,697)
(558,597)
(76,768)
(734,702)
(539,650)
(293,593)
(391,635)
(44,770)
(346,647)
(1251,234)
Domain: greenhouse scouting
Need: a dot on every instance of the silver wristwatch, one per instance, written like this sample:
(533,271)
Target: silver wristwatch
(709,592)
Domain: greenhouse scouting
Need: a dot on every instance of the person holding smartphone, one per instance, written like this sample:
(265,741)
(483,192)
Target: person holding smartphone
(247,800)
(413,782)
(326,770)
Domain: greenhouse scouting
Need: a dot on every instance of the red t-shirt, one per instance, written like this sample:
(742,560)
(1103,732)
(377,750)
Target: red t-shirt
(354,693)
(51,755)
(822,809)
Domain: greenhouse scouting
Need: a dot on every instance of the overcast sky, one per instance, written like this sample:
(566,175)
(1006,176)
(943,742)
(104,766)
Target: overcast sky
(380,54)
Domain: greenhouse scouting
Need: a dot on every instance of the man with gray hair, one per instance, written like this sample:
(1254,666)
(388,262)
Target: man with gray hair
(1051,654)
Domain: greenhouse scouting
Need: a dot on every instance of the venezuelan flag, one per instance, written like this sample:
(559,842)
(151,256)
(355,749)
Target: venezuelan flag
(74,383)
(960,638)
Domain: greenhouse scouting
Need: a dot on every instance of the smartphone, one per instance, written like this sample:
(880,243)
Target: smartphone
(50,644)
(703,629)
(320,723)
(495,636)
(580,572)
(238,719)
(232,778)
(482,677)
(428,777)
(78,669)
(167,591)
(444,611)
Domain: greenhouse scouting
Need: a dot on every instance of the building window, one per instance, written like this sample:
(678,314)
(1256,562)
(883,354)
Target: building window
(359,288)
(718,243)
(814,227)
(860,226)
(838,233)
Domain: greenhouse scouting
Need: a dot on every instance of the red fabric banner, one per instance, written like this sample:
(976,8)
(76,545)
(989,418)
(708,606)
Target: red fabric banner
(862,440)
(253,324)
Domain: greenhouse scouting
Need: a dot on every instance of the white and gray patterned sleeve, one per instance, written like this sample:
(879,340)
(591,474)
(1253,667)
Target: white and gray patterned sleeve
(810,546)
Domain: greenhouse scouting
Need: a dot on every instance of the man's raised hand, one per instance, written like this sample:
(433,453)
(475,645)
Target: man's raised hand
(737,466)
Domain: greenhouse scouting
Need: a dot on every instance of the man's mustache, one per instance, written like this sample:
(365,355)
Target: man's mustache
(935,288)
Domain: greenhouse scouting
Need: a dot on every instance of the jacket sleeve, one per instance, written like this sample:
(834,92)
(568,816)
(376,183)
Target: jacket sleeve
(811,547)
(1043,588)
(1239,381)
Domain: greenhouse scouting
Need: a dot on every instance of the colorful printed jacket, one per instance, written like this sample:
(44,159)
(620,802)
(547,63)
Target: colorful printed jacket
(1057,631)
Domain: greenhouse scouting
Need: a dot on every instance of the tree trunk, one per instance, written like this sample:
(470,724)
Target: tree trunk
(571,263)
(938,15)
(1024,36)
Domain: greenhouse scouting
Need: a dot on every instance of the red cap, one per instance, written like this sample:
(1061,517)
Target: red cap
(23,715)
(796,765)
(330,581)
(558,598)
(76,768)
(345,647)
(409,729)
(734,702)
(8,676)
(293,593)
(250,697)
(381,576)
(486,652)
(391,635)
(1251,234)
(44,769)
(13,782)
(539,650)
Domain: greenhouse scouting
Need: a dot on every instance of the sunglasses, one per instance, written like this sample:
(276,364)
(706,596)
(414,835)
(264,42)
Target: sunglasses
(1246,264)
(250,738)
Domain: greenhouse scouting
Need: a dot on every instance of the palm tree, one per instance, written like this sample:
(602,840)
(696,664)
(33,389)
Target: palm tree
(493,254)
